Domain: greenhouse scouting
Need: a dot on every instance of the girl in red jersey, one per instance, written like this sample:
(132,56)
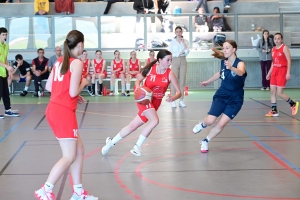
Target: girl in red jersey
(117,71)
(65,84)
(85,71)
(99,70)
(157,77)
(133,69)
(279,74)
(151,57)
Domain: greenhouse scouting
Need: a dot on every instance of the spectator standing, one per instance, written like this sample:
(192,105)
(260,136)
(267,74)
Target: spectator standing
(4,69)
(41,7)
(40,72)
(24,76)
(53,58)
(264,47)
(66,6)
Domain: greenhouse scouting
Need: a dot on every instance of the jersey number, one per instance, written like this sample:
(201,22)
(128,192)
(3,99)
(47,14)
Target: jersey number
(223,76)
(57,76)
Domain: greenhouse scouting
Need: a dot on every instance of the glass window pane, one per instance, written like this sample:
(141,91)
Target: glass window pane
(88,26)
(62,25)
(18,33)
(41,32)
(2,22)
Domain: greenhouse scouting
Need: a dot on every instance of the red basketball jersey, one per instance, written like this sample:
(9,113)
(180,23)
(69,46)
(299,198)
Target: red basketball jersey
(158,83)
(134,66)
(118,65)
(98,66)
(85,66)
(278,57)
(61,85)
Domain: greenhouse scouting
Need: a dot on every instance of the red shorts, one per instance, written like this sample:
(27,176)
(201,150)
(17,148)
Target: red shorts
(154,104)
(104,72)
(84,75)
(117,74)
(62,120)
(278,76)
(134,75)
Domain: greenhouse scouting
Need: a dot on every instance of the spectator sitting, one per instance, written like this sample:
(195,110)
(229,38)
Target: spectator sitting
(66,6)
(41,7)
(218,22)
(201,21)
(24,76)
(40,72)
(145,7)
(53,58)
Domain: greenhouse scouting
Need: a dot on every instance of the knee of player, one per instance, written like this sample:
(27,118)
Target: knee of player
(154,121)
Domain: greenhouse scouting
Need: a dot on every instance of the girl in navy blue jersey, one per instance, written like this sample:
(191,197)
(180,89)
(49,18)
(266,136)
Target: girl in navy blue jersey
(229,98)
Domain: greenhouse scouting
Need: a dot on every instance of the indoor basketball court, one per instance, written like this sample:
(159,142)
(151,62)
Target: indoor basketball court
(253,158)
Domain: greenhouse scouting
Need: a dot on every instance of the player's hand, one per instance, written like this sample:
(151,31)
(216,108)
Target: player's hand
(268,77)
(81,100)
(204,83)
(288,76)
(227,64)
(169,98)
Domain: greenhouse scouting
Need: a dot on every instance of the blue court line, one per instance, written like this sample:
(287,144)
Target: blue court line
(15,126)
(268,148)
(288,132)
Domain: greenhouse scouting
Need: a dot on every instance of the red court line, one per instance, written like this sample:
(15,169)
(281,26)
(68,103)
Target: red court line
(139,174)
(277,159)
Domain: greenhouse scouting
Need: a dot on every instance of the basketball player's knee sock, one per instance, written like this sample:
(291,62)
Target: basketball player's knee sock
(9,89)
(94,87)
(128,86)
(89,88)
(123,89)
(26,88)
(78,189)
(274,106)
(208,139)
(48,186)
(112,88)
(203,124)
(116,139)
(291,102)
(100,87)
(141,140)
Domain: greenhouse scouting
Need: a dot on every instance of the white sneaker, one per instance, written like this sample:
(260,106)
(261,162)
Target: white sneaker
(267,88)
(181,104)
(83,196)
(227,7)
(204,146)
(111,94)
(107,147)
(41,194)
(198,127)
(173,104)
(137,150)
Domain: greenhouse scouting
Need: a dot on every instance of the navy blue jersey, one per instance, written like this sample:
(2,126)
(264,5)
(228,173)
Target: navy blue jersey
(231,81)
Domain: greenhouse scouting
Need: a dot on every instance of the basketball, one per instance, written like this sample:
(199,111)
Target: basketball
(143,95)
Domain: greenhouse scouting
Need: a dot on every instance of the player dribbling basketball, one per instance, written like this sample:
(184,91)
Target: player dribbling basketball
(157,78)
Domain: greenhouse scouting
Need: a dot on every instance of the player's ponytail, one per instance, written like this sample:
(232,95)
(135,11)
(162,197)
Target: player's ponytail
(219,54)
(73,38)
(161,54)
(147,68)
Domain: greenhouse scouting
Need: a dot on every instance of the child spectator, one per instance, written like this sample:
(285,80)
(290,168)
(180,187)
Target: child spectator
(24,76)
(133,69)
(41,7)
(201,21)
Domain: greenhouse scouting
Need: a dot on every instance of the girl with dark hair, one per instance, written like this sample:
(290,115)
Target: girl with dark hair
(264,47)
(229,98)
(99,71)
(180,49)
(117,71)
(133,69)
(157,77)
(65,84)
(279,74)
(151,57)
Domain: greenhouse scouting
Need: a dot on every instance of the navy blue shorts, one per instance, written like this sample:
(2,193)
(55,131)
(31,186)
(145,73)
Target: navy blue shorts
(22,80)
(219,107)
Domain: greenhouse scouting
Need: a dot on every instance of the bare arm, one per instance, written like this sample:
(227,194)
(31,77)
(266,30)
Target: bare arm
(174,82)
(269,73)
(240,70)
(212,79)
(76,83)
(104,66)
(287,54)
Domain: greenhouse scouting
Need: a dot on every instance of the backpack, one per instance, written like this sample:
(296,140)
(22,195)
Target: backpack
(219,39)
(177,10)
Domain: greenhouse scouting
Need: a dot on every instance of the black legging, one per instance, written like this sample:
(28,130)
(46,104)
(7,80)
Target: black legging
(109,5)
(4,92)
(37,80)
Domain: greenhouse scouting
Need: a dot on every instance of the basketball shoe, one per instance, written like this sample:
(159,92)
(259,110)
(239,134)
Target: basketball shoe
(173,104)
(272,113)
(107,146)
(41,194)
(137,150)
(83,196)
(182,104)
(204,145)
(295,108)
(198,127)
